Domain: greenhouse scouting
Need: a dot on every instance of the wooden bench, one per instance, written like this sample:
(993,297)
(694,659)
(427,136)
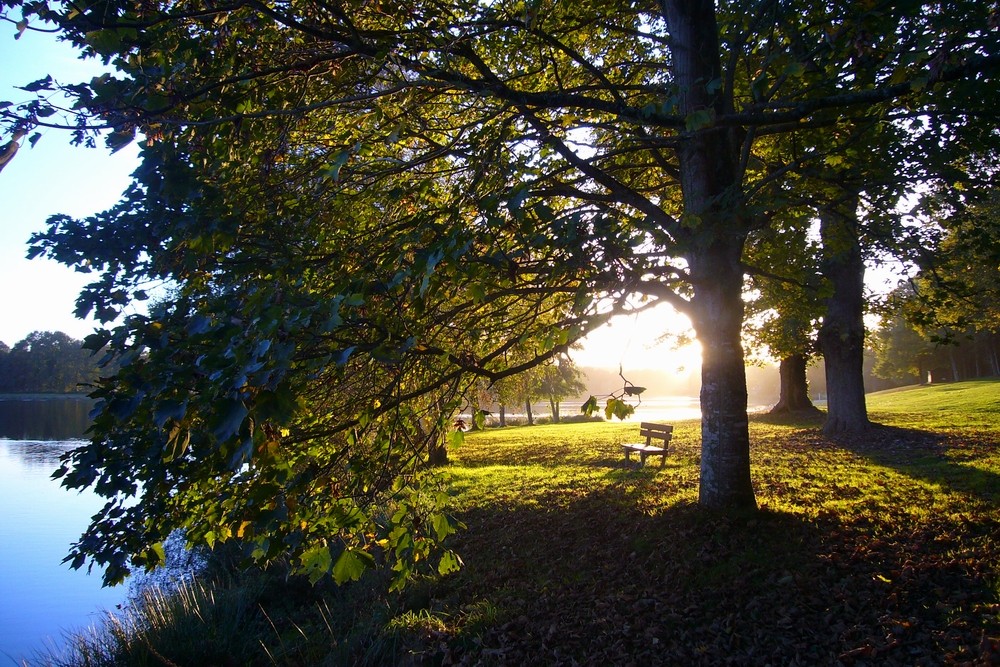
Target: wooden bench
(651,431)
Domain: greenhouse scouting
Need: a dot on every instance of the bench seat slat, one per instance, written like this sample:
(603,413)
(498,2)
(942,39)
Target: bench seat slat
(650,431)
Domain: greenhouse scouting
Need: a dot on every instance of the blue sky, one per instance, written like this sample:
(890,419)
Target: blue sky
(52,177)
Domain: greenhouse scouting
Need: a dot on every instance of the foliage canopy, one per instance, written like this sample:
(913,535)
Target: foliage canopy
(359,206)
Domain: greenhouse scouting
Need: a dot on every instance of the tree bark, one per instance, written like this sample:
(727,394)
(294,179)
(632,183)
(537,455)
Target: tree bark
(503,415)
(794,392)
(714,208)
(436,440)
(527,411)
(842,335)
(437,452)
(725,437)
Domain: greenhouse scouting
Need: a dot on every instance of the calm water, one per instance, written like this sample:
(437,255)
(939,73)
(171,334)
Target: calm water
(653,409)
(40,598)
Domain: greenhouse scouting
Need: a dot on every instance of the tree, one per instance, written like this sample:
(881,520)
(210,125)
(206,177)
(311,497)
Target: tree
(946,316)
(560,380)
(958,285)
(362,205)
(784,302)
(870,163)
(901,352)
(46,362)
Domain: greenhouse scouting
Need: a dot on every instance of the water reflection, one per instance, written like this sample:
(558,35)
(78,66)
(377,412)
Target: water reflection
(40,598)
(35,454)
(60,418)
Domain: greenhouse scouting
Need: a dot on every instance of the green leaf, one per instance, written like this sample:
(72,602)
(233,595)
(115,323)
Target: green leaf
(450,562)
(477,293)
(104,42)
(199,324)
(168,410)
(315,562)
(517,197)
(242,455)
(582,299)
(351,564)
(697,120)
(339,160)
(41,84)
(442,526)
(795,69)
(456,438)
(177,442)
(230,416)
(760,85)
(341,356)
(590,407)
(618,408)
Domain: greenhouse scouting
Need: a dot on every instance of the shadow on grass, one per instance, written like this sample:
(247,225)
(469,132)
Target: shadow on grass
(606,580)
(920,454)
(926,456)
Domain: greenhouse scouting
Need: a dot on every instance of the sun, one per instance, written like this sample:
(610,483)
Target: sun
(658,339)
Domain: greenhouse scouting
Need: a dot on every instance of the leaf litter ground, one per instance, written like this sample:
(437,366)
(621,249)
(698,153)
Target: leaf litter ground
(878,549)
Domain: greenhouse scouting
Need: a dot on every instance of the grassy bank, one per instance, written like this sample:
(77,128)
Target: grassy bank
(882,549)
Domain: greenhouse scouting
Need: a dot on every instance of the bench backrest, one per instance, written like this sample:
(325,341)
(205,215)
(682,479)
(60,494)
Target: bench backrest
(651,430)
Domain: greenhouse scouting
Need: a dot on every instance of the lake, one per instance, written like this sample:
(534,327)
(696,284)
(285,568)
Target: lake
(41,598)
(650,409)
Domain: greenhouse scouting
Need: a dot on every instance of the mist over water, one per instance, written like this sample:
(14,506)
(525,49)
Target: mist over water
(653,409)
(666,409)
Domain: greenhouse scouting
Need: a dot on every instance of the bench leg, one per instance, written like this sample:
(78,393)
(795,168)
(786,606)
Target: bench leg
(642,458)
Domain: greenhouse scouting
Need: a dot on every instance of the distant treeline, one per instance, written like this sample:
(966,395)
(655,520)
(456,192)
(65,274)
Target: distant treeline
(46,362)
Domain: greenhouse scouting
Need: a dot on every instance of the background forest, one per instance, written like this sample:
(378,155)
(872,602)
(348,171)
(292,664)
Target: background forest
(46,362)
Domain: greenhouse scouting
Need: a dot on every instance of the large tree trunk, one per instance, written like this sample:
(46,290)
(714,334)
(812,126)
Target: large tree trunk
(435,439)
(527,411)
(725,436)
(713,202)
(793,396)
(437,451)
(842,336)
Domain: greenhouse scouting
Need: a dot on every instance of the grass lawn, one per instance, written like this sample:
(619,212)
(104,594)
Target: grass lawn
(874,550)
(883,549)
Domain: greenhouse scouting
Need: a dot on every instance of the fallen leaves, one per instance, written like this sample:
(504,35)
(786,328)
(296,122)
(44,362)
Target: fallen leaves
(866,552)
